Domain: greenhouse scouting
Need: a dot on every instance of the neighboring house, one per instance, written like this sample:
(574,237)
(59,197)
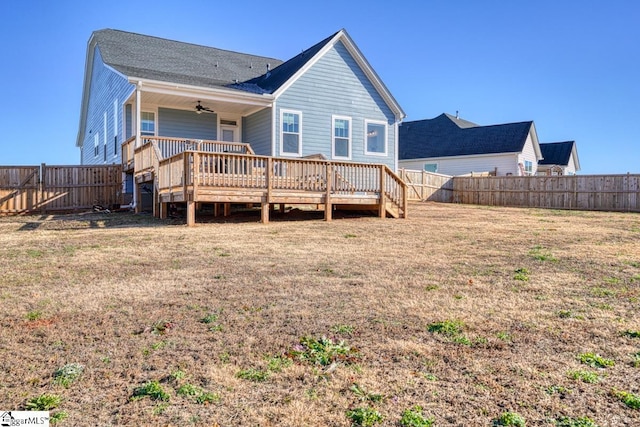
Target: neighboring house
(449,145)
(559,158)
(326,100)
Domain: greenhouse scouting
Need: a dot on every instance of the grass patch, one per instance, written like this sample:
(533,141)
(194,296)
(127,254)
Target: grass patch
(364,395)
(452,329)
(595,360)
(575,422)
(415,418)
(152,390)
(521,274)
(44,402)
(252,374)
(510,419)
(540,253)
(68,374)
(631,334)
(34,315)
(364,416)
(584,376)
(323,352)
(630,399)
(343,329)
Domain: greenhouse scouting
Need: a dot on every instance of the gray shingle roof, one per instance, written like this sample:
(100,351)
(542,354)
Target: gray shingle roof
(147,57)
(446,136)
(272,80)
(556,153)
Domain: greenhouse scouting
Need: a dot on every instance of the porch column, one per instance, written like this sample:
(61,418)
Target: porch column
(138,112)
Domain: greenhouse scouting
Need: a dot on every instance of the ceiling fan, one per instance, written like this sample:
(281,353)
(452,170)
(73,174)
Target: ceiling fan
(200,108)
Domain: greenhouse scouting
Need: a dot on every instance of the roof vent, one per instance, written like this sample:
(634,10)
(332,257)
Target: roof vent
(457,114)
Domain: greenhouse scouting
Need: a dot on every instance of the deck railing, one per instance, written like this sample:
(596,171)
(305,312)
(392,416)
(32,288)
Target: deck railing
(191,170)
(128,153)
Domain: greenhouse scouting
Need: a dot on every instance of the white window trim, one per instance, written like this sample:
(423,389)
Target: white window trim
(96,144)
(431,163)
(155,121)
(333,137)
(282,152)
(386,134)
(115,126)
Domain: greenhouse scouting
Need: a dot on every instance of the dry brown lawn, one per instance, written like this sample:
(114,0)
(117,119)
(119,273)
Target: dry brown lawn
(128,297)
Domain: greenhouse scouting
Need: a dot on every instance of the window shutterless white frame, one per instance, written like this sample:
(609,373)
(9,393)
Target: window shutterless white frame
(292,127)
(372,135)
(341,135)
(146,122)
(430,167)
(96,144)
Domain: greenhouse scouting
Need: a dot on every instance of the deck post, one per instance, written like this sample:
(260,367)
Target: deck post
(227,209)
(383,202)
(136,196)
(191,213)
(266,202)
(163,210)
(328,207)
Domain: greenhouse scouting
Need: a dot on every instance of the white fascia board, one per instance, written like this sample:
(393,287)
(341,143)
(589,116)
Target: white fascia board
(210,94)
(362,63)
(373,76)
(536,143)
(307,66)
(468,156)
(88,71)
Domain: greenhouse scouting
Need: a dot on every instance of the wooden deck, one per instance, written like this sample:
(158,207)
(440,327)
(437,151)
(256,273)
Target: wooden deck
(194,172)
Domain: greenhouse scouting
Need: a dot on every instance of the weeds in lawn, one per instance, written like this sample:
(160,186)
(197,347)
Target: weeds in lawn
(504,336)
(252,374)
(349,236)
(451,329)
(278,363)
(431,287)
(323,351)
(151,389)
(558,389)
(365,417)
(521,274)
(541,254)
(584,376)
(34,315)
(635,360)
(44,402)
(343,329)
(630,399)
(575,422)
(631,334)
(160,408)
(161,327)
(510,419)
(210,318)
(178,374)
(595,360)
(364,395)
(68,374)
(414,418)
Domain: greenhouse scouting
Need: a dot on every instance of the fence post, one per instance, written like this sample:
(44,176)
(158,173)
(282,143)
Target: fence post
(41,188)
(267,197)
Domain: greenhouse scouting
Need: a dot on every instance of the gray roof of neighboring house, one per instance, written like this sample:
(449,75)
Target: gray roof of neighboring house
(154,58)
(447,136)
(556,153)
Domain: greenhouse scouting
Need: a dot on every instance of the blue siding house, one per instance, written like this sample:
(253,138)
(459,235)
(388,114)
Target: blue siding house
(326,101)
(146,99)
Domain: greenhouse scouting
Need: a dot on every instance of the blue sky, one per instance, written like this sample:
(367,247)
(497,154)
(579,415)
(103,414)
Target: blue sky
(571,67)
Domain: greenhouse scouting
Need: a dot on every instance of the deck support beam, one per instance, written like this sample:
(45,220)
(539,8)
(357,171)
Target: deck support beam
(265,213)
(163,210)
(328,207)
(191,213)
(227,209)
(136,197)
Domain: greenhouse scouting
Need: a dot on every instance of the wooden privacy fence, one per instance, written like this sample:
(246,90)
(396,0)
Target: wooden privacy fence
(423,186)
(44,189)
(584,192)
